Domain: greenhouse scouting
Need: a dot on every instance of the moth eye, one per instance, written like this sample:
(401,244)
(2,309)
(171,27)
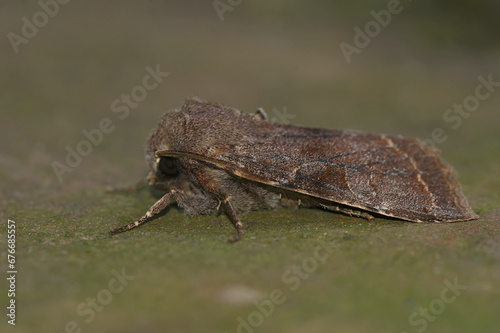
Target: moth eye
(167,168)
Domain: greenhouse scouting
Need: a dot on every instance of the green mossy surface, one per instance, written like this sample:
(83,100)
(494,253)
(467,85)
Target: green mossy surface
(375,274)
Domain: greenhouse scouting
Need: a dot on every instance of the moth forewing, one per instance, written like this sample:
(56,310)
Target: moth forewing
(212,158)
(399,202)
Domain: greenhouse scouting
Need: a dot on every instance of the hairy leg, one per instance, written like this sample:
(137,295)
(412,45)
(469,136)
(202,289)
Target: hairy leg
(235,220)
(157,208)
(347,211)
(126,189)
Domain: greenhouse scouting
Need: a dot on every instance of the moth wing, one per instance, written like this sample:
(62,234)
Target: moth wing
(391,176)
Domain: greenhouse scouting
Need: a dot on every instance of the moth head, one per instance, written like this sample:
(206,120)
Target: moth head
(166,168)
(164,173)
(160,138)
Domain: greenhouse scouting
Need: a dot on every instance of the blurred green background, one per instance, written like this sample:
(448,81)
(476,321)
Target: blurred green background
(279,55)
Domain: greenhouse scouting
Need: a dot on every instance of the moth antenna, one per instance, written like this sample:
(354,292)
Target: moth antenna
(157,208)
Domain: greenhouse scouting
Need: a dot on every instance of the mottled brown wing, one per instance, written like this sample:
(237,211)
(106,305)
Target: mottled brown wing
(391,176)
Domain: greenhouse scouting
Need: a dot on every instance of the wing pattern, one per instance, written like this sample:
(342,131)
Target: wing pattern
(387,175)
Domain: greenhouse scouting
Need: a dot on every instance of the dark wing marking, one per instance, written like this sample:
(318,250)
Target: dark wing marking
(391,176)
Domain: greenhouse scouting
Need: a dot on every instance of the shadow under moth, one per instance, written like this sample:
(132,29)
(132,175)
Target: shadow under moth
(210,159)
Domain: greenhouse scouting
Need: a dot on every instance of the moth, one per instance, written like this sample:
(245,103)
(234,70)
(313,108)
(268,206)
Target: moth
(210,159)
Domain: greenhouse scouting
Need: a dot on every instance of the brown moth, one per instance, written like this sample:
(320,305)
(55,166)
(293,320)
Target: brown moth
(210,158)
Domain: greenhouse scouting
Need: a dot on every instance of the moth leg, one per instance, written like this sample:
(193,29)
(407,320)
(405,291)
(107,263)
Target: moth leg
(348,211)
(235,220)
(157,208)
(260,114)
(126,189)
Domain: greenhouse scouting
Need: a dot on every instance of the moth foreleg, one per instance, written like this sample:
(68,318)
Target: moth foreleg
(131,188)
(347,211)
(235,220)
(157,208)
